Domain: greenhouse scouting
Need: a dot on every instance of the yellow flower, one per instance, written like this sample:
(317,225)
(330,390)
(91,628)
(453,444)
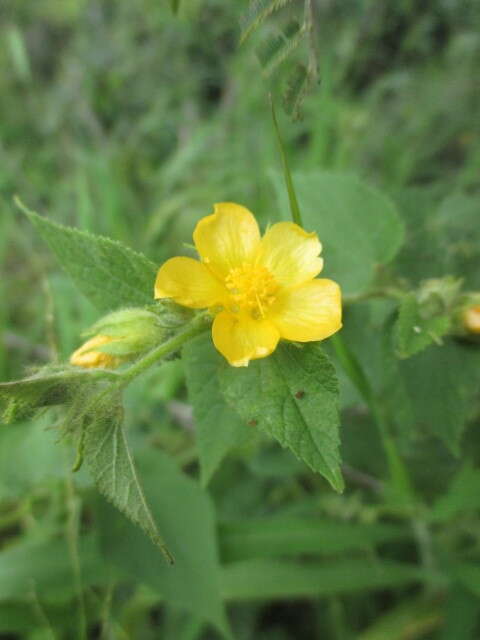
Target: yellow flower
(87,357)
(261,289)
(471,319)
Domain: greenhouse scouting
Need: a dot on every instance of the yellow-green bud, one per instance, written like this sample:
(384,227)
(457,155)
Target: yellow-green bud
(467,316)
(170,314)
(130,333)
(90,356)
(471,319)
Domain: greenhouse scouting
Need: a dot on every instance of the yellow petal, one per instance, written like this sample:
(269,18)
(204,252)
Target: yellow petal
(312,311)
(290,254)
(86,356)
(241,338)
(189,283)
(227,238)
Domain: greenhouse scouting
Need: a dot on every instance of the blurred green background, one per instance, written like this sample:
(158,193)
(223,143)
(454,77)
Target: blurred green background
(125,120)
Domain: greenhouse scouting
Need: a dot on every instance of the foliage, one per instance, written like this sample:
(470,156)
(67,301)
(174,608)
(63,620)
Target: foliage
(121,123)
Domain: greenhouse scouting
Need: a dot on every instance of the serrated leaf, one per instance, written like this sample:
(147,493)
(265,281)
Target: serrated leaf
(358,226)
(219,427)
(257,12)
(108,273)
(413,332)
(276,50)
(45,388)
(108,456)
(298,84)
(293,397)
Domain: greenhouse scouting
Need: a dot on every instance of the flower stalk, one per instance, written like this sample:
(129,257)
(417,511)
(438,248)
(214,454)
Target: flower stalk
(191,330)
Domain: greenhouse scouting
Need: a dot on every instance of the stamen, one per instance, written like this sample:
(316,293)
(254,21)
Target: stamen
(251,288)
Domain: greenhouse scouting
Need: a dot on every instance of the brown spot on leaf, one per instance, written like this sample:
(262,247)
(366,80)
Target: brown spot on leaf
(299,395)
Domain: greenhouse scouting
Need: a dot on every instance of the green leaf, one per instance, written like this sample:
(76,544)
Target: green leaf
(463,495)
(460,614)
(292,396)
(275,579)
(358,226)
(29,458)
(186,516)
(175,4)
(108,273)
(411,619)
(50,386)
(298,83)
(468,575)
(257,12)
(413,331)
(276,50)
(219,428)
(111,464)
(43,561)
(442,237)
(434,391)
(290,536)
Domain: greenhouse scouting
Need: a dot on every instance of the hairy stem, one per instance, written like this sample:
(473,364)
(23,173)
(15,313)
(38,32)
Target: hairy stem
(194,328)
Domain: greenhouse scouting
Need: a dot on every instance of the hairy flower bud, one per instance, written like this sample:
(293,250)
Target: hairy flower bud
(471,319)
(119,337)
(89,356)
(467,316)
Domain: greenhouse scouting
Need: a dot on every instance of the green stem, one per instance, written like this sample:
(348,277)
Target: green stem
(398,473)
(292,197)
(193,329)
(381,292)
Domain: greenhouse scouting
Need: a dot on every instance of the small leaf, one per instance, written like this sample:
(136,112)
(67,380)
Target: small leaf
(219,428)
(266,393)
(413,331)
(275,51)
(111,464)
(48,387)
(257,12)
(108,273)
(299,82)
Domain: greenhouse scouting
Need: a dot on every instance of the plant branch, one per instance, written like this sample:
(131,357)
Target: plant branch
(194,328)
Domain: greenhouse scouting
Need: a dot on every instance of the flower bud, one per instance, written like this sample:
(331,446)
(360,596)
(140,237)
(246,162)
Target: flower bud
(467,316)
(119,337)
(170,314)
(471,319)
(87,355)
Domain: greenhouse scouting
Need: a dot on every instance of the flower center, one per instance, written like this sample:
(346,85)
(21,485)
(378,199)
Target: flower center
(251,288)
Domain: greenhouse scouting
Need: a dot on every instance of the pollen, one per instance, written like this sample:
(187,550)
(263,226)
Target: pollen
(251,288)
